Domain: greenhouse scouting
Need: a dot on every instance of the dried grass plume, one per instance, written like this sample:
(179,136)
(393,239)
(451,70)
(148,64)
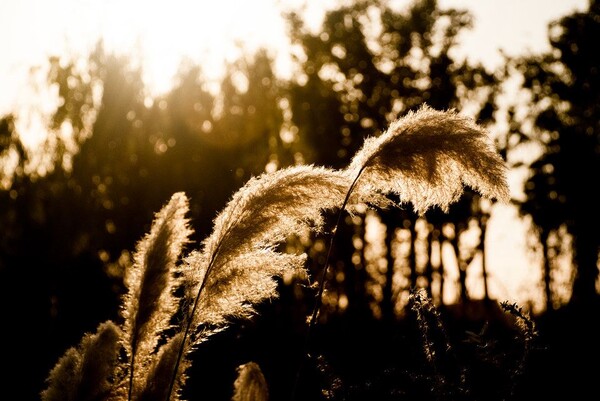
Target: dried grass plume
(250,384)
(426,157)
(150,304)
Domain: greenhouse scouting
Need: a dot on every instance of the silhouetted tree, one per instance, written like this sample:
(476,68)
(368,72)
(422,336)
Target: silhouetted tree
(565,87)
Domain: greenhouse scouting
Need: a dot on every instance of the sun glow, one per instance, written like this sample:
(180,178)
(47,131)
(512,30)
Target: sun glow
(156,36)
(161,34)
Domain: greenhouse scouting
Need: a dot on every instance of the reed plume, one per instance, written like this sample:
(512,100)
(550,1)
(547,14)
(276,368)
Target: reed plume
(426,157)
(86,372)
(161,370)
(150,304)
(236,268)
(250,384)
(93,370)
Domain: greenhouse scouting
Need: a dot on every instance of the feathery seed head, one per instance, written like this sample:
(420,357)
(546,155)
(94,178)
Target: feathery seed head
(149,304)
(84,372)
(273,206)
(250,384)
(156,382)
(426,157)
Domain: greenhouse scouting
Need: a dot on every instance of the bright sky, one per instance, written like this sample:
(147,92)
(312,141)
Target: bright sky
(31,30)
(209,31)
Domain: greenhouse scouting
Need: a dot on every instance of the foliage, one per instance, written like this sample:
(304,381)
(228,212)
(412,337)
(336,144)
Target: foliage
(563,87)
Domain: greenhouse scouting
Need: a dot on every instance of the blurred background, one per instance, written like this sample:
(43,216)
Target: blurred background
(108,108)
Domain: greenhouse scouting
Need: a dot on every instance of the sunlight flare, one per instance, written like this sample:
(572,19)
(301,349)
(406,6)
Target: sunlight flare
(211,32)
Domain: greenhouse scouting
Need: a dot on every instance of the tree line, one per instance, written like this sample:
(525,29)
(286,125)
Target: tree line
(72,211)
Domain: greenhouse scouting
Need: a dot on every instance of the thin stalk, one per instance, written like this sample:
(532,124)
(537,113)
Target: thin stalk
(133,351)
(193,312)
(319,296)
(189,323)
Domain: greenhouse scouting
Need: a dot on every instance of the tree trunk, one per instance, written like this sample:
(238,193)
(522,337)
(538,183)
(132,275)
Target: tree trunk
(441,271)
(388,301)
(428,273)
(356,278)
(412,255)
(462,268)
(547,269)
(586,259)
(481,248)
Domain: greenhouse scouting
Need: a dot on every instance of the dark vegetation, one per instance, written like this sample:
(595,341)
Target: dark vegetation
(68,228)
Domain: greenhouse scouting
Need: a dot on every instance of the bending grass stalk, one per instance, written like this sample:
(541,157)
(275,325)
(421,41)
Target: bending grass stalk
(188,325)
(190,319)
(131,367)
(319,296)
